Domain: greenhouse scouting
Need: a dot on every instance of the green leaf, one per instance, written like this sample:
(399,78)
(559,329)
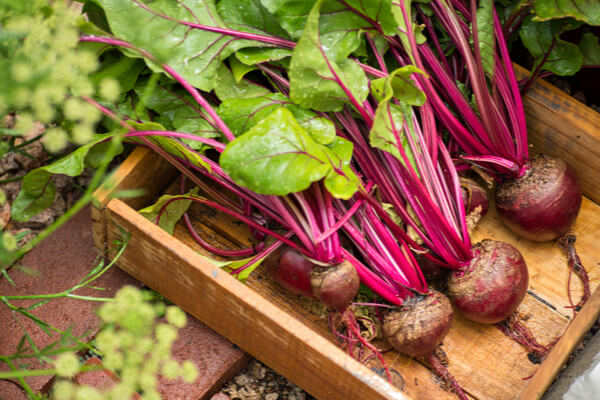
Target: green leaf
(242,114)
(194,53)
(291,14)
(540,37)
(240,69)
(590,48)
(485,32)
(255,55)
(172,212)
(317,61)
(341,181)
(399,85)
(392,121)
(250,16)
(124,70)
(337,19)
(228,88)
(170,145)
(178,111)
(37,191)
(377,10)
(587,11)
(388,123)
(231,266)
(276,156)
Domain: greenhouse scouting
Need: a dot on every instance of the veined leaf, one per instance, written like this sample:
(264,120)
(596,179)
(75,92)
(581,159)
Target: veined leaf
(540,37)
(319,62)
(195,54)
(255,55)
(250,16)
(377,10)
(399,85)
(124,70)
(168,144)
(341,181)
(242,114)
(37,191)
(278,157)
(587,11)
(177,110)
(389,129)
(172,213)
(228,88)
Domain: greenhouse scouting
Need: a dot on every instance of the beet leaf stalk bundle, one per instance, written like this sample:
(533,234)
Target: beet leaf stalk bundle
(537,198)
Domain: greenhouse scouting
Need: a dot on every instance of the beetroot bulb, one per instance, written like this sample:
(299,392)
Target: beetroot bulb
(542,204)
(419,325)
(335,286)
(474,195)
(492,286)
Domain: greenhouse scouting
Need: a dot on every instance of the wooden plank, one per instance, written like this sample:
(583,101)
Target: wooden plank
(561,351)
(239,313)
(143,169)
(562,126)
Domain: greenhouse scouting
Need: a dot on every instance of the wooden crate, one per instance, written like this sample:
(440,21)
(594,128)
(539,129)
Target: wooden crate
(275,328)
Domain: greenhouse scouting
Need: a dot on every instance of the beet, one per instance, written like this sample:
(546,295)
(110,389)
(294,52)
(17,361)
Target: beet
(419,325)
(474,195)
(336,286)
(431,270)
(493,285)
(292,271)
(542,204)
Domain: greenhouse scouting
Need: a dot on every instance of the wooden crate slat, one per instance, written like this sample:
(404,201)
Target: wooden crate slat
(562,126)
(245,317)
(560,352)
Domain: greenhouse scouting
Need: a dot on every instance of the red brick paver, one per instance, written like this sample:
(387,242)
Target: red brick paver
(60,262)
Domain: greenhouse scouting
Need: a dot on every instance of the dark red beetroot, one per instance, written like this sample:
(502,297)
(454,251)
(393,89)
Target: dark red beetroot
(474,195)
(336,286)
(292,271)
(542,204)
(493,285)
(419,325)
(431,270)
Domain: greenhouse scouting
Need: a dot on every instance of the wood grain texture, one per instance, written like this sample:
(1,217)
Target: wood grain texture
(241,314)
(562,126)
(561,351)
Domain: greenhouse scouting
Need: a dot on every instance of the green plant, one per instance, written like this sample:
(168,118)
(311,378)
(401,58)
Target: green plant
(133,343)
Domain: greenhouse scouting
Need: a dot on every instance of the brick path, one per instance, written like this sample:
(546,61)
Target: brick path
(60,262)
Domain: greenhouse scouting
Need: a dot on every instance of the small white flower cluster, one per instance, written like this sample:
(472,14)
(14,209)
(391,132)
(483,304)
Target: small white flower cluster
(134,346)
(47,71)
